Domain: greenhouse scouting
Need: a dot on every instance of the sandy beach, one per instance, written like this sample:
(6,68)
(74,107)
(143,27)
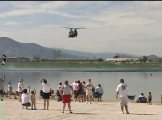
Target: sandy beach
(11,109)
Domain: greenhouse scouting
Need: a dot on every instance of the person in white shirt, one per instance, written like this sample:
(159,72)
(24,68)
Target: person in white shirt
(121,93)
(142,98)
(66,92)
(89,86)
(20,88)
(9,90)
(84,91)
(25,99)
(100,91)
(75,88)
(46,92)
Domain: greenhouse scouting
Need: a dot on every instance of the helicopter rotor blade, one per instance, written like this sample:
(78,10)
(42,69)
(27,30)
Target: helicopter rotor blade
(74,28)
(80,28)
(67,27)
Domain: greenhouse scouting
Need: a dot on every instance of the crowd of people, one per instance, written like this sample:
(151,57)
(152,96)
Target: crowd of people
(84,91)
(77,91)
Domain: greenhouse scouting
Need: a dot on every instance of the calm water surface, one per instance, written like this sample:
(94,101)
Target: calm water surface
(137,81)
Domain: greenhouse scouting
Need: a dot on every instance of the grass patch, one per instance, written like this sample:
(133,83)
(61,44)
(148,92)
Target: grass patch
(79,65)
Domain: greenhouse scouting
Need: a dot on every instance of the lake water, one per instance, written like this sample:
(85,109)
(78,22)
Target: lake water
(137,81)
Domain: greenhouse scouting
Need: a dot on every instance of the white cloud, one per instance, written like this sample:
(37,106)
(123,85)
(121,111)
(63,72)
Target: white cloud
(24,4)
(53,5)
(114,17)
(131,28)
(21,12)
(11,23)
(88,24)
(31,10)
(109,17)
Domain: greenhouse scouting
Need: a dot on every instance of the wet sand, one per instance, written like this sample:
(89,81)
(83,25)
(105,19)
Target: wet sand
(11,109)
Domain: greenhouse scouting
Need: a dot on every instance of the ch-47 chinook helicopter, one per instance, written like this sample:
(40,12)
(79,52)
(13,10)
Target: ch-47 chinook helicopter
(73,31)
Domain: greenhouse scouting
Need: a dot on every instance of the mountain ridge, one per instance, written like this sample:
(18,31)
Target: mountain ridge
(12,48)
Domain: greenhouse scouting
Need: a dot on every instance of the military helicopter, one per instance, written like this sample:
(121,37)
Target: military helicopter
(73,31)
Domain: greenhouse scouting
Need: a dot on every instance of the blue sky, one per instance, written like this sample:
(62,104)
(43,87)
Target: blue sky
(114,26)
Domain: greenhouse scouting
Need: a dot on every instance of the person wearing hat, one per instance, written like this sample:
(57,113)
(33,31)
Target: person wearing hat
(20,88)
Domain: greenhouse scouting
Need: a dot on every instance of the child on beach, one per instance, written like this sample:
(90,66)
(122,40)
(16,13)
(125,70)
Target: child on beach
(25,99)
(59,98)
(150,98)
(33,99)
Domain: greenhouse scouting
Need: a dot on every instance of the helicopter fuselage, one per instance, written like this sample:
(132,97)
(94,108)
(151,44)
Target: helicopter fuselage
(73,34)
(73,31)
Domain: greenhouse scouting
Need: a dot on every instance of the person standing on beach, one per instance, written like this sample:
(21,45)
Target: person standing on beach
(66,92)
(100,91)
(20,88)
(2,79)
(75,88)
(89,86)
(121,93)
(46,92)
(84,91)
(80,91)
(150,98)
(33,99)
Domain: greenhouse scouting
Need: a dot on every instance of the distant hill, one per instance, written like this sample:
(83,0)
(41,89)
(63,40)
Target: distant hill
(12,48)
(95,55)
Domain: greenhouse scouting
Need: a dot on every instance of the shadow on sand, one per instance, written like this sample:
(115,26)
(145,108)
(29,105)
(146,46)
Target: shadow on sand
(141,114)
(76,112)
(85,113)
(105,104)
